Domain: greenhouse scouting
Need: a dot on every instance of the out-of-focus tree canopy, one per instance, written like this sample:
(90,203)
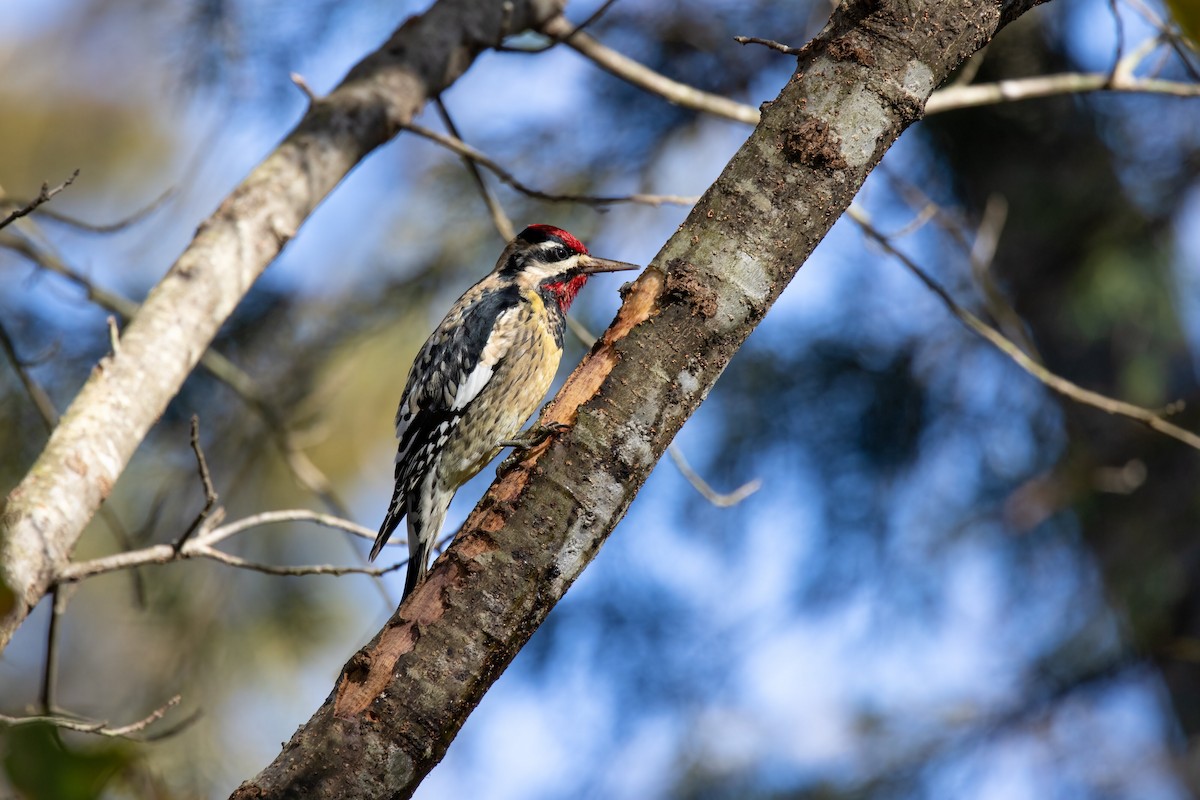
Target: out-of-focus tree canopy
(952,583)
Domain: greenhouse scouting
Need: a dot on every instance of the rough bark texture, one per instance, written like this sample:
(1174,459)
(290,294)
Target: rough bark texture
(402,698)
(127,392)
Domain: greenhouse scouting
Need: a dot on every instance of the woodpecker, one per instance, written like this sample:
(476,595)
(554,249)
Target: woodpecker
(479,377)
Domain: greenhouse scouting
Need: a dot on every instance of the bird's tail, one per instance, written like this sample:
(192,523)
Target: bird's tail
(418,557)
(395,513)
(426,513)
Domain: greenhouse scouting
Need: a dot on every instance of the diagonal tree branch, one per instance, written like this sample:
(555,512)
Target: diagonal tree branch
(45,514)
(1110,405)
(400,700)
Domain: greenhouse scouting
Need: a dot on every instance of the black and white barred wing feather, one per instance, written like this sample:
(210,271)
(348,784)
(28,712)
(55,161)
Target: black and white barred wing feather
(453,366)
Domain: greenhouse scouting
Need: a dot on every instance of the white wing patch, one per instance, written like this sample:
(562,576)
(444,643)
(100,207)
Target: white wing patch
(495,349)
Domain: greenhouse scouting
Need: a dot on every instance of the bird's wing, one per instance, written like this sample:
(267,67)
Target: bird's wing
(452,369)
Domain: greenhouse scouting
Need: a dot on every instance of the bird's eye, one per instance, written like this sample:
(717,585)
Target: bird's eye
(559,253)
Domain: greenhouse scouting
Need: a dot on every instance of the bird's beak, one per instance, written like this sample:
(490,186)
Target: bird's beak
(590,264)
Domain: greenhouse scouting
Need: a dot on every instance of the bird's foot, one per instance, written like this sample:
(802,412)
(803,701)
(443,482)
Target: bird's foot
(523,442)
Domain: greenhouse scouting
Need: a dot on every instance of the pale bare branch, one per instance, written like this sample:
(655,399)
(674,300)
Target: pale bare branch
(1121,79)
(127,394)
(203,545)
(643,77)
(91,726)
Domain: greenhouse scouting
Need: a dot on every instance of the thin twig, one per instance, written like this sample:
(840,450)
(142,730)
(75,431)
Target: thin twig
(290,515)
(927,212)
(115,226)
(162,734)
(500,220)
(303,86)
(43,197)
(771,43)
(1182,45)
(114,335)
(59,596)
(1120,40)
(1054,382)
(983,252)
(202,545)
(718,499)
(89,726)
(971,68)
(306,473)
(465,150)
(316,569)
(210,493)
(46,260)
(37,395)
(979,244)
(558,39)
(1121,79)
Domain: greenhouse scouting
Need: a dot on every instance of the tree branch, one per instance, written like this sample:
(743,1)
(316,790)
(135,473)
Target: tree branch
(640,75)
(211,533)
(702,487)
(128,391)
(89,726)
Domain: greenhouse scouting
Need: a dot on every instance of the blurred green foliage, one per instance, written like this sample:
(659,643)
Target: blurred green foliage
(40,765)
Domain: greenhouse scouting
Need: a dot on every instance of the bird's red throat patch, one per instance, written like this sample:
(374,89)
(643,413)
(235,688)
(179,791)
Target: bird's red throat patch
(564,291)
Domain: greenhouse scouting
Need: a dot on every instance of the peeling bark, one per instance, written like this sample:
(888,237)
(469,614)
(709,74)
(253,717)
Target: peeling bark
(43,517)
(400,700)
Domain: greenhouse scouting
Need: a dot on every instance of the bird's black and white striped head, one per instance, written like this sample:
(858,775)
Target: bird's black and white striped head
(551,261)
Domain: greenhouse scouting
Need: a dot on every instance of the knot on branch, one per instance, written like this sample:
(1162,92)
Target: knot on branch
(813,144)
(685,284)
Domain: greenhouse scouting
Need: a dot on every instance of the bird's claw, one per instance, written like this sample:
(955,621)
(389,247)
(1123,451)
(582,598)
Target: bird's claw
(523,442)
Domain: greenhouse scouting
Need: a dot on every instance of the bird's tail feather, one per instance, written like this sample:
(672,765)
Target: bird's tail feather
(395,513)
(418,564)
(426,514)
